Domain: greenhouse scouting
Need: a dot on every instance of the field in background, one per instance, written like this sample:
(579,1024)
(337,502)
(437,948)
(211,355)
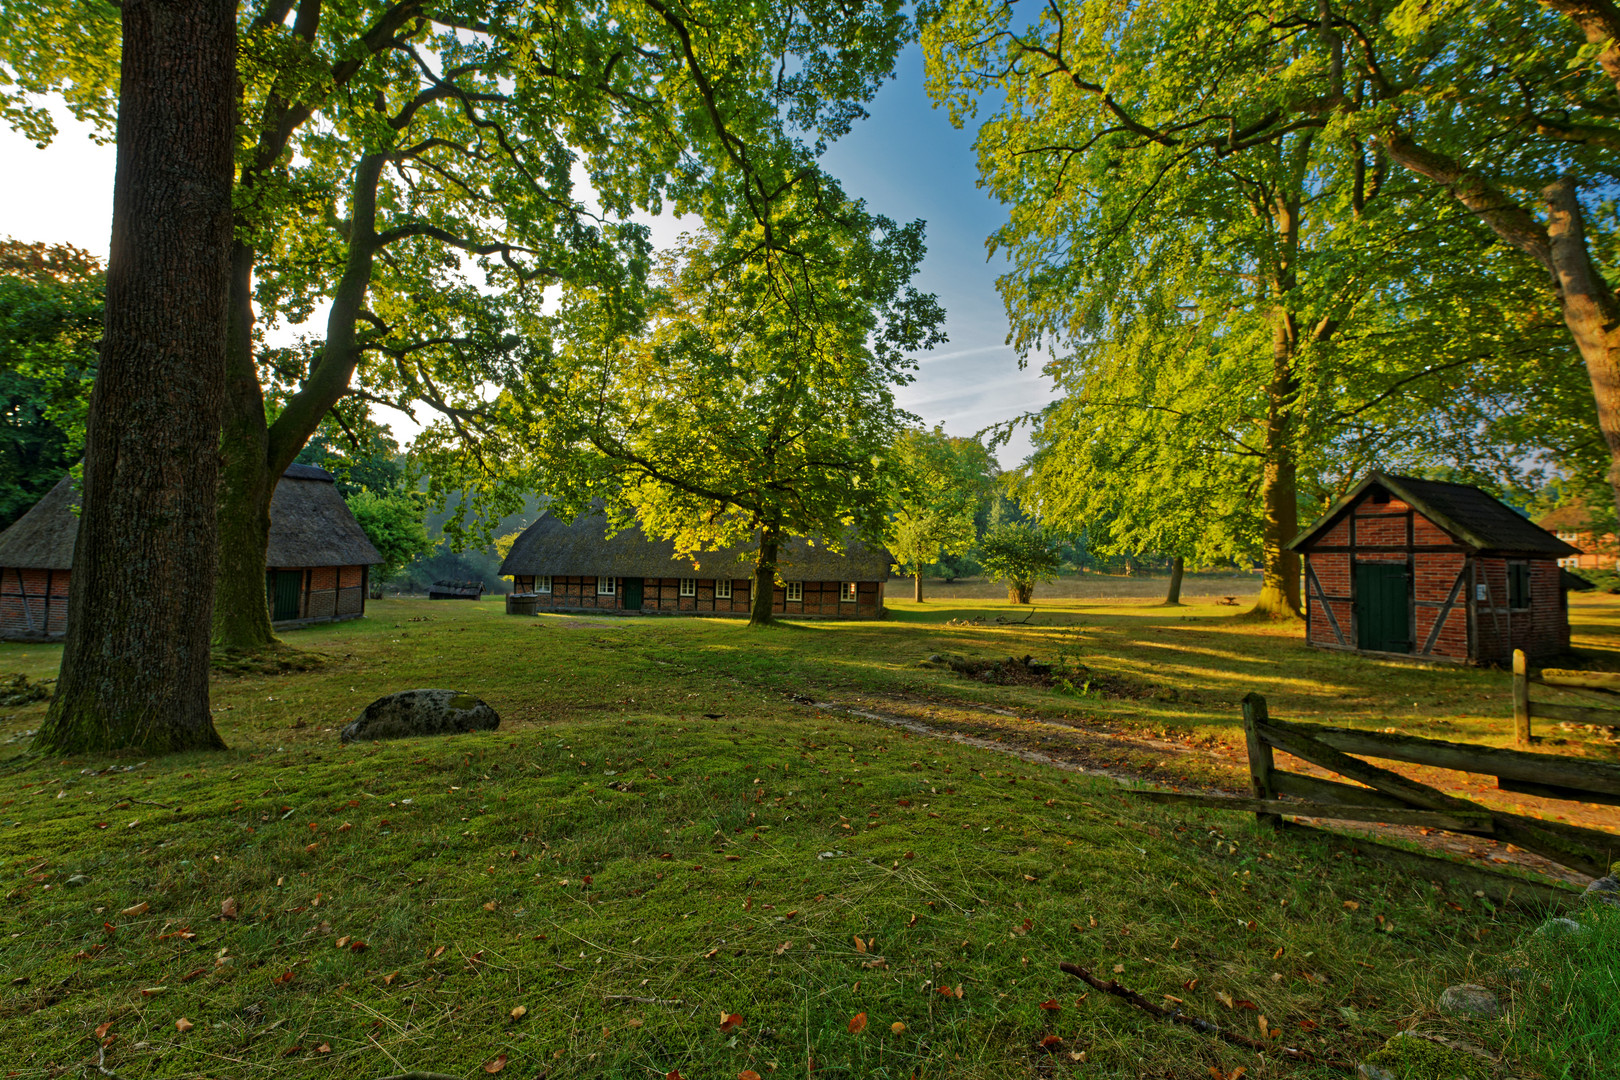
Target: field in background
(678,821)
(1205,588)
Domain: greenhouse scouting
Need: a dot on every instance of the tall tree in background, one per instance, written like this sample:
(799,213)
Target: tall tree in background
(135,665)
(413,163)
(758,401)
(51,311)
(1155,198)
(940,484)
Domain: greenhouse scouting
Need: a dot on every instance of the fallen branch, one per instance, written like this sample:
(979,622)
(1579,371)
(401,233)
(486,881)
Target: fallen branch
(421,1076)
(1204,1027)
(642,1000)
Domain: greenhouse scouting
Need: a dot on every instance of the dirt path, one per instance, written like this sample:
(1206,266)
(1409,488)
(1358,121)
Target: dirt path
(1125,756)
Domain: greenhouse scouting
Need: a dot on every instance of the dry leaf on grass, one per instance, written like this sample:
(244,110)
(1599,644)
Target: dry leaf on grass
(227,908)
(897,1027)
(183,1025)
(519,1012)
(137,909)
(857,1023)
(495,1064)
(1051,1005)
(729,1022)
(748,1074)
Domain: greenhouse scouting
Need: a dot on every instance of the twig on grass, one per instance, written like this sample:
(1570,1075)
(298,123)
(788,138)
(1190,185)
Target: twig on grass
(101,1063)
(642,1000)
(1204,1027)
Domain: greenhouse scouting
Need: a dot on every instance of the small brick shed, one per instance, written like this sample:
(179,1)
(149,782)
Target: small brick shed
(1425,568)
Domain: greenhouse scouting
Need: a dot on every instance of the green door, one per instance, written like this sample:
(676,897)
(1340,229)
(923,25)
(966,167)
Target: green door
(1383,607)
(632,593)
(284,587)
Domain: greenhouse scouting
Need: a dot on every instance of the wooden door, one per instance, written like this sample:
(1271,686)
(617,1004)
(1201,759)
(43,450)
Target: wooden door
(632,593)
(285,589)
(1383,607)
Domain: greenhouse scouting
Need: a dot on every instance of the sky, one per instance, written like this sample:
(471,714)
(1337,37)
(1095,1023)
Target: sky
(906,161)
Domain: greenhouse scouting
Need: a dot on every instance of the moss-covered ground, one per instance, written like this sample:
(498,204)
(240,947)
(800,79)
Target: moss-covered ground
(664,835)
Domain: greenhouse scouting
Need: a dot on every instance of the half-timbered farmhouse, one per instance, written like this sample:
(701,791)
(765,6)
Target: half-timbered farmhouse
(1431,569)
(575,566)
(317,569)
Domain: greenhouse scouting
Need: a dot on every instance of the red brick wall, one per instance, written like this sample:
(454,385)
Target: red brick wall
(34,606)
(329,592)
(1434,574)
(1541,630)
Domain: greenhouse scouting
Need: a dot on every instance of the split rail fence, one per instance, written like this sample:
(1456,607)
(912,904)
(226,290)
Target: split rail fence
(1599,685)
(1394,799)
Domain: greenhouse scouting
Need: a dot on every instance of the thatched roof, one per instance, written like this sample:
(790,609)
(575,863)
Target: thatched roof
(557,548)
(1476,519)
(310,525)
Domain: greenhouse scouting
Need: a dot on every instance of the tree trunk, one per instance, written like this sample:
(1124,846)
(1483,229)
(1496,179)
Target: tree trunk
(763,600)
(1279,587)
(916,587)
(135,665)
(1019,592)
(1178,567)
(241,606)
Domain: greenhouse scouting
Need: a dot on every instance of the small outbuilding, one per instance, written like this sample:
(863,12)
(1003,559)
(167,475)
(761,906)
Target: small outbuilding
(317,570)
(575,566)
(1430,569)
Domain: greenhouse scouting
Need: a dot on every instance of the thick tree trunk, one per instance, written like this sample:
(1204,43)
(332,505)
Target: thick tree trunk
(1019,592)
(241,606)
(1279,587)
(764,597)
(1178,567)
(136,662)
(916,587)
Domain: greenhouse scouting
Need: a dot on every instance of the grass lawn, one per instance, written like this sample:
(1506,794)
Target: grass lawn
(662,835)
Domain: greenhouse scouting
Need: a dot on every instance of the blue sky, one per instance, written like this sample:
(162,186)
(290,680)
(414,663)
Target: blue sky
(906,161)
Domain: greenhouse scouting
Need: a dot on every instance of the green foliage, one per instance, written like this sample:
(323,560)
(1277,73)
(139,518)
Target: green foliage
(1020,554)
(759,395)
(51,299)
(941,483)
(392,521)
(368,461)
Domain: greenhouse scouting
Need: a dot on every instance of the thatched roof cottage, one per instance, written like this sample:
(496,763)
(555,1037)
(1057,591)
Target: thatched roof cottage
(318,564)
(575,566)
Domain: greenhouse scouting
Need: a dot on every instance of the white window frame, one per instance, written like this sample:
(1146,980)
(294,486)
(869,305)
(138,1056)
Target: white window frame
(688,586)
(722,589)
(849,593)
(606,586)
(542,584)
(793,592)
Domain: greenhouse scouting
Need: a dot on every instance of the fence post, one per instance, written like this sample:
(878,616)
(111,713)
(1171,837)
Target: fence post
(1521,700)
(1260,758)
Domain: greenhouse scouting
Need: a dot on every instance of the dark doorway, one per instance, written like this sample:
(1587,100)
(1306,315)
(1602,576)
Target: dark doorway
(632,593)
(1383,607)
(285,585)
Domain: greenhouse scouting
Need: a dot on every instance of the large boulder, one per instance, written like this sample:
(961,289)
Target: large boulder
(411,713)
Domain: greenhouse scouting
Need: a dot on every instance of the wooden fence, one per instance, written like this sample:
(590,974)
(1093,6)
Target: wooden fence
(1397,800)
(1599,685)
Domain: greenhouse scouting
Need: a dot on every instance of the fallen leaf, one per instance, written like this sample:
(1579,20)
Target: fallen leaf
(1243,1003)
(358,946)
(784,947)
(283,979)
(1351,905)
(857,1023)
(495,1064)
(712,953)
(153,991)
(518,1012)
(897,1027)
(1224,998)
(438,952)
(388,980)
(138,909)
(102,1029)
(490,906)
(183,1025)
(1265,1027)
(673,1074)
(860,946)
(1051,1005)
(1308,1025)
(748,1074)
(1052,1042)
(324,1048)
(309,849)
(1119,969)
(227,908)
(341,942)
(1237,1073)
(729,1022)
(1190,984)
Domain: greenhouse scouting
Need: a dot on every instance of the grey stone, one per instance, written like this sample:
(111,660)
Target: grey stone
(1373,1072)
(935,658)
(76,880)
(412,713)
(1605,890)
(1467,999)
(1559,928)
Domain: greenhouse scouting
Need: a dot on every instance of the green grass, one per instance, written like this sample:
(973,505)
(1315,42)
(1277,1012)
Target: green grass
(762,824)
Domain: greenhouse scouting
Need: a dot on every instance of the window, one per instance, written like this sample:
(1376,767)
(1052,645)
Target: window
(722,589)
(1518,585)
(688,586)
(795,591)
(848,593)
(543,583)
(604,586)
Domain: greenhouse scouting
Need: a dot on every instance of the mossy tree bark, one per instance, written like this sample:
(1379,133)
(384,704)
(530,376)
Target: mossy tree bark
(763,599)
(916,587)
(1178,567)
(135,666)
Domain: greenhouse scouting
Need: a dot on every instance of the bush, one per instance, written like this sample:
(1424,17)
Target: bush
(1021,555)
